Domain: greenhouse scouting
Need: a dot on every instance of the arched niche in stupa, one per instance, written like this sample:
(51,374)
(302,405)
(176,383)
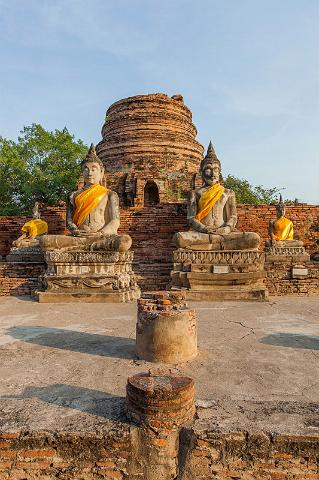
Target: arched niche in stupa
(151,194)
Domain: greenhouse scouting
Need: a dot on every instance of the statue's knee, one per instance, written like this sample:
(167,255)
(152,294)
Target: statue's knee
(44,241)
(125,243)
(254,240)
(178,240)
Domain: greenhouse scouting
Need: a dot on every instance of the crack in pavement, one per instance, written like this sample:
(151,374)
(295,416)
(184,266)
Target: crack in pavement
(252,331)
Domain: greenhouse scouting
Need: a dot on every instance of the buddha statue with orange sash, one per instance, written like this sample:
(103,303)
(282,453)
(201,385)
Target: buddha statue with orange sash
(92,215)
(212,214)
(32,230)
(281,230)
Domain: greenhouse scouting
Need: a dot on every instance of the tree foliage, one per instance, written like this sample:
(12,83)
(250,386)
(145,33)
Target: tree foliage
(247,193)
(40,166)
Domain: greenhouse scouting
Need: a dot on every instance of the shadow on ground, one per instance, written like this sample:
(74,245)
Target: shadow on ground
(24,298)
(292,340)
(94,344)
(85,400)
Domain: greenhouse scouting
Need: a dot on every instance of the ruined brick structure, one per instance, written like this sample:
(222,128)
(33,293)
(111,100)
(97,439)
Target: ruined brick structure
(149,149)
(166,328)
(118,453)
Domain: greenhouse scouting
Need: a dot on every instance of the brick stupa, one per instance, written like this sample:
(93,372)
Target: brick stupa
(149,149)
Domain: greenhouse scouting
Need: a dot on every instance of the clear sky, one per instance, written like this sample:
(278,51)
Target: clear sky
(248,69)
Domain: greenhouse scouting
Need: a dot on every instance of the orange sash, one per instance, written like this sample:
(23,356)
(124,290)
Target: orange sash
(283,229)
(208,200)
(86,201)
(34,228)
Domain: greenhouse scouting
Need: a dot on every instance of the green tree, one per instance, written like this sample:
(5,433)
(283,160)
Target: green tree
(247,193)
(41,166)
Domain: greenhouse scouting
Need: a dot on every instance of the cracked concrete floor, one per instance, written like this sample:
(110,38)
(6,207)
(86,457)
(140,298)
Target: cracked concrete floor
(65,366)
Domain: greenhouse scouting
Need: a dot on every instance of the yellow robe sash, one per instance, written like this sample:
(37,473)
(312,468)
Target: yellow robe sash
(34,228)
(283,229)
(86,201)
(208,200)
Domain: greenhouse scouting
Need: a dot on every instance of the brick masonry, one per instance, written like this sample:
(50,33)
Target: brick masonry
(115,455)
(149,138)
(19,279)
(249,456)
(152,229)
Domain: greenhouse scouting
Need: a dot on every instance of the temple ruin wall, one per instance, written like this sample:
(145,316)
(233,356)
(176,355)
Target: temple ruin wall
(116,455)
(152,228)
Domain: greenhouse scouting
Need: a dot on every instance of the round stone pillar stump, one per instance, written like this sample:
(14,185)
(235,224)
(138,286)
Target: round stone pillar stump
(166,328)
(160,403)
(160,399)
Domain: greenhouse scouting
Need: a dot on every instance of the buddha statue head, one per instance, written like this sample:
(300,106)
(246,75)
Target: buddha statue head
(92,168)
(210,167)
(280,208)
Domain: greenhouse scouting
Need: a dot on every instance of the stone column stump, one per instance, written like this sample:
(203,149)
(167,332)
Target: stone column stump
(166,328)
(160,403)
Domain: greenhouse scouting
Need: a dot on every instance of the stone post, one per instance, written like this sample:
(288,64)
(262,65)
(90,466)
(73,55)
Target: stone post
(160,402)
(166,328)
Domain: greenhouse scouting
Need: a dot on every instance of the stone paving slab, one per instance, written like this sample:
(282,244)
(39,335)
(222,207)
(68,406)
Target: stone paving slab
(64,367)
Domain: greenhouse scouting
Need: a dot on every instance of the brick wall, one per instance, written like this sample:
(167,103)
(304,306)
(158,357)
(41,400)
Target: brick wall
(27,456)
(18,279)
(279,279)
(116,455)
(252,456)
(152,229)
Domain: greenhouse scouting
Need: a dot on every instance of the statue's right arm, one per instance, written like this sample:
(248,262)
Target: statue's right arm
(191,214)
(271,232)
(69,215)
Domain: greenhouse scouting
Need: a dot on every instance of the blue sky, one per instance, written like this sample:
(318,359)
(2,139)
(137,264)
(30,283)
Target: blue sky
(248,69)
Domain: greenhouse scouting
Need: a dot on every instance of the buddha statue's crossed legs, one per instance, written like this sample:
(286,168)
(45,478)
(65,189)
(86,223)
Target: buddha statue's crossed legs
(203,241)
(118,243)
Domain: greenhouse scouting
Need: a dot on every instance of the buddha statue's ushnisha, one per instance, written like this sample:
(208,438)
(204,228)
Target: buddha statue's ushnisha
(281,230)
(32,230)
(212,214)
(92,214)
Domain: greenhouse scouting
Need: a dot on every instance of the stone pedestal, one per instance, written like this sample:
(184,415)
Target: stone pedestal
(219,275)
(25,255)
(287,270)
(82,276)
(297,255)
(166,328)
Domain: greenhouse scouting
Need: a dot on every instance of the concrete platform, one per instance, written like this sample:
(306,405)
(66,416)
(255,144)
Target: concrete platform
(64,367)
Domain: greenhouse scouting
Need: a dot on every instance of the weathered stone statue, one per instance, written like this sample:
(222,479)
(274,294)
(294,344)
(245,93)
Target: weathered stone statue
(281,230)
(212,214)
(92,215)
(214,261)
(32,230)
(94,263)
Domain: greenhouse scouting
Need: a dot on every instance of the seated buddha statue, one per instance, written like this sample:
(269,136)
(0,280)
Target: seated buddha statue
(32,230)
(212,214)
(92,215)
(281,230)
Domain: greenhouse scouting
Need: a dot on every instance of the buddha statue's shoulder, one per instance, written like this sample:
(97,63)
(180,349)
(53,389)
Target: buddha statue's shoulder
(230,193)
(283,221)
